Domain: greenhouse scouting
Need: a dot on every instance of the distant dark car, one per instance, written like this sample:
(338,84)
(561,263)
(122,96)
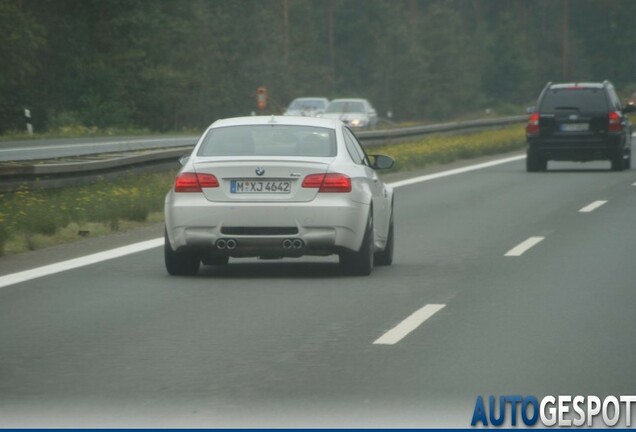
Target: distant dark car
(579,122)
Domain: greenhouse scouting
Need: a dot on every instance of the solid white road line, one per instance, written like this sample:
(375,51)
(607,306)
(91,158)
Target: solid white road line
(455,171)
(522,247)
(591,207)
(412,322)
(26,275)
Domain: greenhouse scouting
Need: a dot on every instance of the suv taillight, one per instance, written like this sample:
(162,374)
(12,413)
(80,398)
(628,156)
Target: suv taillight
(331,182)
(533,124)
(614,125)
(192,182)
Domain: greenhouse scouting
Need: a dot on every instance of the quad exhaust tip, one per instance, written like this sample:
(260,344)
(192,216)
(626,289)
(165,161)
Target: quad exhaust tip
(293,244)
(231,244)
(228,244)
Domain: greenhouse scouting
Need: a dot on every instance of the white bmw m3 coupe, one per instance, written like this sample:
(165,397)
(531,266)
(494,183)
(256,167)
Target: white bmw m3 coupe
(276,187)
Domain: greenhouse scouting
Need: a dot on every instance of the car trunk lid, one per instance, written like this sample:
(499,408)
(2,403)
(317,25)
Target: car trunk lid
(260,179)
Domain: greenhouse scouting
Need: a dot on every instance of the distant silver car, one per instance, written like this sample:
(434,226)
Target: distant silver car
(307,106)
(355,113)
(276,187)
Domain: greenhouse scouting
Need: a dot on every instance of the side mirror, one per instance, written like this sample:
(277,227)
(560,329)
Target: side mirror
(184,159)
(382,162)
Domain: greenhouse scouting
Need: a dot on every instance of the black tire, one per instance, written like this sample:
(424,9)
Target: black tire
(385,257)
(535,162)
(542,163)
(618,162)
(180,263)
(360,263)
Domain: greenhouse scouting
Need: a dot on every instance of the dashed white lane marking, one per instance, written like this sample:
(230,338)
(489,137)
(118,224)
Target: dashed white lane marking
(412,322)
(522,247)
(591,207)
(38,272)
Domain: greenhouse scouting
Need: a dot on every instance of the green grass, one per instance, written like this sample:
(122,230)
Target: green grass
(31,219)
(448,148)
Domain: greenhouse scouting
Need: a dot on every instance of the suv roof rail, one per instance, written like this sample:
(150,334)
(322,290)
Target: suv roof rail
(543,90)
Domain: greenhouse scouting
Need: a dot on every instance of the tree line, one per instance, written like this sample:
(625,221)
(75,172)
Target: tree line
(173,64)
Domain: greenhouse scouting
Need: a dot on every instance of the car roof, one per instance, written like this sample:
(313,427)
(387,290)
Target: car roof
(311,98)
(577,85)
(349,100)
(278,120)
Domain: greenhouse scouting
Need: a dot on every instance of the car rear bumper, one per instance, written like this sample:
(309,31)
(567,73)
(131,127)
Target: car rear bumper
(576,150)
(325,226)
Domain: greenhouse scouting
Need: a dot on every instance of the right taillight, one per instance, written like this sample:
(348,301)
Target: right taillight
(614,122)
(330,182)
(533,124)
(193,182)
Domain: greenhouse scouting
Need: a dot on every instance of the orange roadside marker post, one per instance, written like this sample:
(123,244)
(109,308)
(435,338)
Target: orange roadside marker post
(261,97)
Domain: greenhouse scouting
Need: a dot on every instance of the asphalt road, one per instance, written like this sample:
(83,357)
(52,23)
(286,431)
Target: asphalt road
(295,343)
(58,148)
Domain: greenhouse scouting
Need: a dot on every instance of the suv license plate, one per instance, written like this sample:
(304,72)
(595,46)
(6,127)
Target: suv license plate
(575,127)
(260,186)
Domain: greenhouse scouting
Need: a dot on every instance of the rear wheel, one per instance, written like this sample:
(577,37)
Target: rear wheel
(385,257)
(360,263)
(618,161)
(535,162)
(180,263)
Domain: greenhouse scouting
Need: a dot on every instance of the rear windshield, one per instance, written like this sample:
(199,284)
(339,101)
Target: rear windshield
(269,140)
(580,100)
(307,104)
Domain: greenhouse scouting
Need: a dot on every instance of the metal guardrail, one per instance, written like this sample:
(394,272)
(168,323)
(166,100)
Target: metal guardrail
(51,175)
(380,137)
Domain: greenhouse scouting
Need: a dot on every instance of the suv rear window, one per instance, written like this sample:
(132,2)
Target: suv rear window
(580,99)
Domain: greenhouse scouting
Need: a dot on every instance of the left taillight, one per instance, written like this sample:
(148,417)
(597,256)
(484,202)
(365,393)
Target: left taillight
(532,127)
(193,182)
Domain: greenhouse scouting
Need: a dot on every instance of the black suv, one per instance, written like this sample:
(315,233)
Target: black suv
(579,122)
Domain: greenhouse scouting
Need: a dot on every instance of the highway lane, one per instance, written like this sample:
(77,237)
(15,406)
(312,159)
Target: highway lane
(291,343)
(68,147)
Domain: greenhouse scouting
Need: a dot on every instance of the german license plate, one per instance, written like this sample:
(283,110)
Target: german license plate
(260,186)
(575,127)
